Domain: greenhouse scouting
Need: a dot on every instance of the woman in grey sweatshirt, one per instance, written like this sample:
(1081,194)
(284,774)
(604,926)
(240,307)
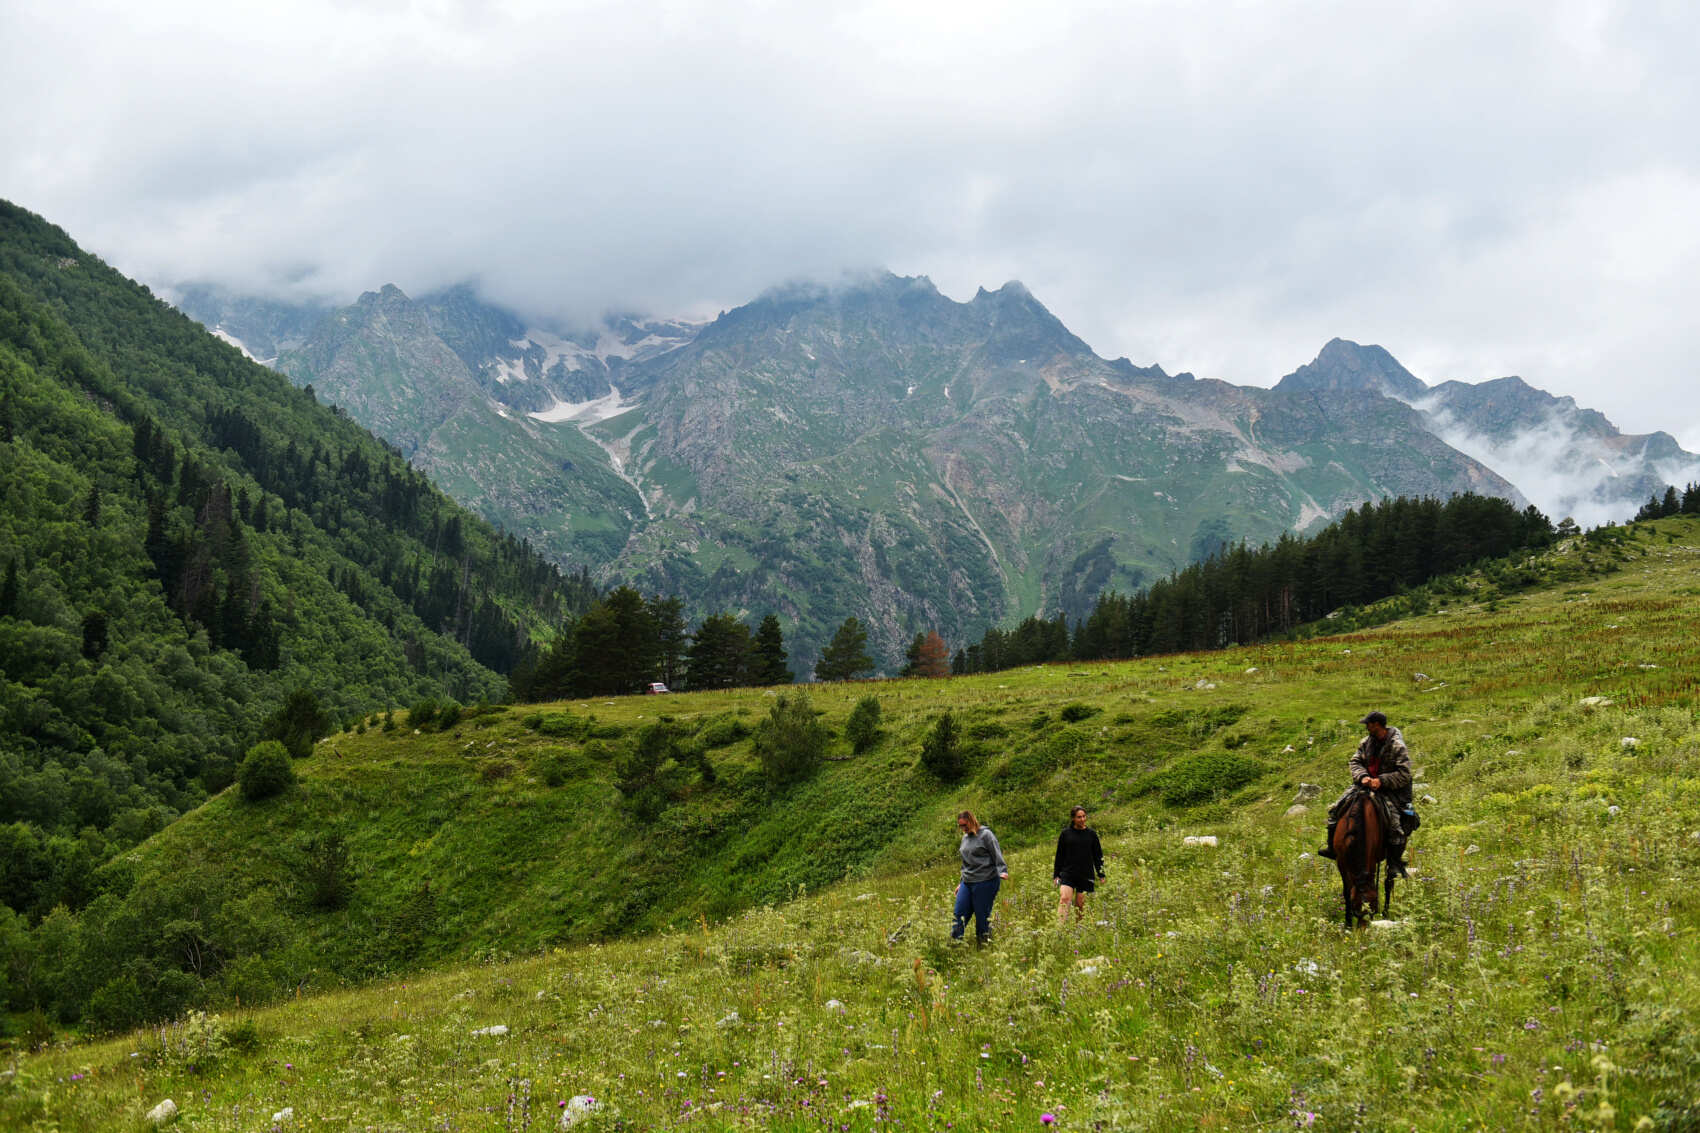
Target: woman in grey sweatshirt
(983,871)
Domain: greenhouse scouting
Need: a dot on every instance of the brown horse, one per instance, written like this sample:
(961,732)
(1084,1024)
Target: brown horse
(1359,850)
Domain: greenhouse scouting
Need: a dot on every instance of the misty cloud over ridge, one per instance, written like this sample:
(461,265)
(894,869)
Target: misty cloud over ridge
(1486,188)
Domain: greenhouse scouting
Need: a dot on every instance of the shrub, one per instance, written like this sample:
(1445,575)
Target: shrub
(448,717)
(1201,778)
(862,729)
(422,713)
(265,771)
(327,873)
(941,751)
(723,731)
(533,721)
(791,742)
(563,724)
(1074,713)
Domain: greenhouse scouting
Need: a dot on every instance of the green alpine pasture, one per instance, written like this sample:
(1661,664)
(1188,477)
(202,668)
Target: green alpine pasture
(512,938)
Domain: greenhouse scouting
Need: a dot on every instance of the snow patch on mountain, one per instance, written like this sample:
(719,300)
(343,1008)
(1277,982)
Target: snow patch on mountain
(584,413)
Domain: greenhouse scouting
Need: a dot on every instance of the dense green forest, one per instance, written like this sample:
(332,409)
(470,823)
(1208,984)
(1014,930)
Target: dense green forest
(1241,595)
(185,541)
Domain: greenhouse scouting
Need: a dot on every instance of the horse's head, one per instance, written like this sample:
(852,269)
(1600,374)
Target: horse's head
(1364,896)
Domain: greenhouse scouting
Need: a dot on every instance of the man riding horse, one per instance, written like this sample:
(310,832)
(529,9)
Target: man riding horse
(1381,766)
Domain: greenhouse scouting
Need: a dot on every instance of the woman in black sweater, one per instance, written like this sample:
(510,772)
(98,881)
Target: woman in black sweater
(1080,861)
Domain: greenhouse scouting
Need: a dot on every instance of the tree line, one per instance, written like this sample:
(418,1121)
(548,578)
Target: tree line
(1672,503)
(1240,595)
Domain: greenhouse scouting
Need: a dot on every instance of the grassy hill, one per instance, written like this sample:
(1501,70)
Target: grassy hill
(769,958)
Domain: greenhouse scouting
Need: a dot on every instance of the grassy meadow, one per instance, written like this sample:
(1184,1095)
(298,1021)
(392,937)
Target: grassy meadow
(759,958)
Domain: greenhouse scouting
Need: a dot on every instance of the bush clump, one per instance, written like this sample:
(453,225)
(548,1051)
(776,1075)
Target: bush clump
(1074,713)
(723,732)
(265,771)
(862,729)
(1202,778)
(791,742)
(423,713)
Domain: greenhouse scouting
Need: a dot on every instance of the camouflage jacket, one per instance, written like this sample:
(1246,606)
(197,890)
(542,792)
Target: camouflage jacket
(1395,774)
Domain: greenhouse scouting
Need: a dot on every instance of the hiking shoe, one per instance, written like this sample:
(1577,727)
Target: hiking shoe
(1325,852)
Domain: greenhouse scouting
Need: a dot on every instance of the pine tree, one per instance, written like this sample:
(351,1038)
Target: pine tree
(862,729)
(846,654)
(670,638)
(768,665)
(932,658)
(791,742)
(719,656)
(941,751)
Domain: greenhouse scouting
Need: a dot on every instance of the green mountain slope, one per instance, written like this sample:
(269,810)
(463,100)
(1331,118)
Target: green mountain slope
(186,538)
(872,450)
(1541,971)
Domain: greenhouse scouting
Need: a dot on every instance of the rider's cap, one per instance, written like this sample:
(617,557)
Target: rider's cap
(1375,718)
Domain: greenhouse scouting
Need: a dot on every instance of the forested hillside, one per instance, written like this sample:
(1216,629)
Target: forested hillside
(185,541)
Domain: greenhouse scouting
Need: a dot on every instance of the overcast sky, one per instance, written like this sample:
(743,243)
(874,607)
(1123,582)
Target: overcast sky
(1483,188)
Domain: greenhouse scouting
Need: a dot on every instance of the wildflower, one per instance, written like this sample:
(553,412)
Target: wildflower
(1047,1119)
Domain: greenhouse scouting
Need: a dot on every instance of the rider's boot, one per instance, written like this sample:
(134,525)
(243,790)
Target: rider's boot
(1396,860)
(1327,850)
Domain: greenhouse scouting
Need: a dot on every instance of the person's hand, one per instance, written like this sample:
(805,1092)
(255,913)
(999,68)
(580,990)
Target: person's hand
(1375,784)
(1004,875)
(1056,881)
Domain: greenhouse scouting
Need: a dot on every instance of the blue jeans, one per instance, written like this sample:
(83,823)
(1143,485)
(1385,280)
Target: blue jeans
(976,897)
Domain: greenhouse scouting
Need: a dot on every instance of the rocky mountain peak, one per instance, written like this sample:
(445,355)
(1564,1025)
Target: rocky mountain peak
(1347,367)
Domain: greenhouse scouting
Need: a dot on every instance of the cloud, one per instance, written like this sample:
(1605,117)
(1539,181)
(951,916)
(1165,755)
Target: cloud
(1484,188)
(1561,470)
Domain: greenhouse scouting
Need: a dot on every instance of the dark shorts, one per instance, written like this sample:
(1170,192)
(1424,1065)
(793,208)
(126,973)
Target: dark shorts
(1079,884)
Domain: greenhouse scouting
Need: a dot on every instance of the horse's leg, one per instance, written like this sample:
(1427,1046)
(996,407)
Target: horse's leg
(1346,895)
(1387,904)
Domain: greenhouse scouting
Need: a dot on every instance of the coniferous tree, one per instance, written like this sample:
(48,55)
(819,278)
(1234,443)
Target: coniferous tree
(862,728)
(846,654)
(298,724)
(768,665)
(932,658)
(719,656)
(941,751)
(670,638)
(791,741)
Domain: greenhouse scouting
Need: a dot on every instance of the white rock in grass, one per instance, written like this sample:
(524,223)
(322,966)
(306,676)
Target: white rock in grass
(1614,810)
(1307,792)
(1472,848)
(1204,683)
(1251,670)
(833,1005)
(1595,702)
(578,1107)
(1386,924)
(1288,750)
(1199,840)
(494,1031)
(730,1020)
(1428,800)
(1297,809)
(287,1113)
(1629,742)
(163,1112)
